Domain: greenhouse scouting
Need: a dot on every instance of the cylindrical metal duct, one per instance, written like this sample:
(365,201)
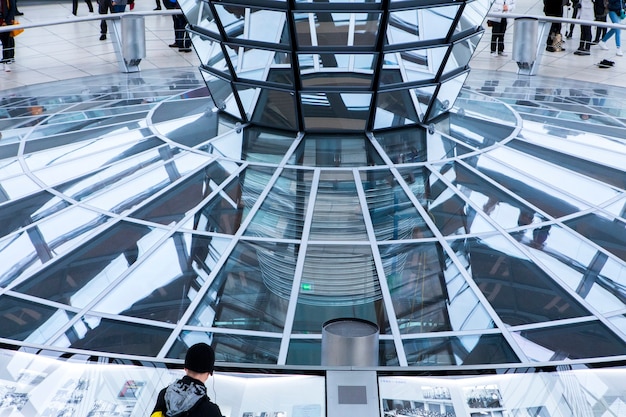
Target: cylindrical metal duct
(349,342)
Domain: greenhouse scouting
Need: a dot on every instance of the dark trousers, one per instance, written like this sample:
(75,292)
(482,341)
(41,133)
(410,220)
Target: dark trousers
(497,35)
(75,6)
(600,32)
(104,7)
(180,33)
(585,38)
(8,47)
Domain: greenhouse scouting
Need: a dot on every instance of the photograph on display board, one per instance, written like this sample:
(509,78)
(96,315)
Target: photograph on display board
(411,408)
(483,396)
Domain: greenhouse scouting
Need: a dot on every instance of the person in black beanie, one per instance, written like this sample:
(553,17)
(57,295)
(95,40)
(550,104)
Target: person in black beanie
(187,396)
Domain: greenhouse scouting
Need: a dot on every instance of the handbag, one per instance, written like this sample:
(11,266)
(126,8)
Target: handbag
(16,32)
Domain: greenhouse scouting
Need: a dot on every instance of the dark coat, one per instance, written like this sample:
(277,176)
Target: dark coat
(7,11)
(553,8)
(203,406)
(616,5)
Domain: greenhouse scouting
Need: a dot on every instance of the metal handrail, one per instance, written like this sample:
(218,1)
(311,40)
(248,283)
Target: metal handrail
(552,19)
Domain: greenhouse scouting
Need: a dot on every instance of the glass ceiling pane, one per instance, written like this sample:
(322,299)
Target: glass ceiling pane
(393,215)
(461,350)
(174,204)
(606,232)
(28,321)
(240,296)
(230,347)
(339,275)
(337,214)
(178,269)
(337,151)
(20,213)
(105,335)
(283,211)
(80,277)
(570,342)
(425,298)
(517,289)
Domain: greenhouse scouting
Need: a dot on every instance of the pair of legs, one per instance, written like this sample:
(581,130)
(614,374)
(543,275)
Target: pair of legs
(75,6)
(585,41)
(615,19)
(555,29)
(8,47)
(183,40)
(497,35)
(600,32)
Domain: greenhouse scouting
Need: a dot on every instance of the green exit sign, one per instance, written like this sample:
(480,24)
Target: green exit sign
(306,287)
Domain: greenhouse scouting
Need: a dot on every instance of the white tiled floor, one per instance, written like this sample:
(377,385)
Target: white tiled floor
(73,50)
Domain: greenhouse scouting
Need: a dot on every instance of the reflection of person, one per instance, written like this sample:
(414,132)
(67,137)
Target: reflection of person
(7,12)
(615,9)
(188,395)
(498,27)
(554,8)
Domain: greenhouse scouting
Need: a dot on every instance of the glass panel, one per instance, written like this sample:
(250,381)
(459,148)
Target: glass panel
(505,210)
(446,95)
(210,54)
(423,97)
(570,342)
(178,269)
(171,206)
(605,231)
(231,348)
(222,94)
(462,53)
(473,15)
(262,65)
(403,27)
(518,290)
(282,213)
(77,279)
(273,108)
(562,181)
(30,322)
(305,352)
(414,65)
(337,214)
(251,144)
(462,350)
(246,293)
(346,287)
(250,23)
(395,109)
(105,335)
(335,111)
(427,299)
(229,208)
(404,145)
(339,70)
(20,213)
(206,20)
(439,21)
(392,214)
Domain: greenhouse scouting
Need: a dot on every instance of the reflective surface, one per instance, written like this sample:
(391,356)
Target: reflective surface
(335,66)
(138,219)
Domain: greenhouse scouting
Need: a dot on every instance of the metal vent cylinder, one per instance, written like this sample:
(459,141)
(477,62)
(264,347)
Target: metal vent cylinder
(349,342)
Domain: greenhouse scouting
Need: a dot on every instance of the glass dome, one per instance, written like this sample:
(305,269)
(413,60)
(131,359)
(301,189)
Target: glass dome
(335,66)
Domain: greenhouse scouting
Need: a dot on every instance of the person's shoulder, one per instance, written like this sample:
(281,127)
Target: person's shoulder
(210,409)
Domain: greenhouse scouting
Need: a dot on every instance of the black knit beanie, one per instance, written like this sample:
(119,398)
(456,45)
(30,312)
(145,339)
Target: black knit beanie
(200,358)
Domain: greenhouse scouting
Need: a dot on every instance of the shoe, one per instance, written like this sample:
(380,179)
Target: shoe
(19,14)
(550,49)
(494,54)
(581,52)
(156,8)
(502,53)
(568,35)
(7,67)
(603,46)
(184,49)
(103,37)
(173,45)
(619,52)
